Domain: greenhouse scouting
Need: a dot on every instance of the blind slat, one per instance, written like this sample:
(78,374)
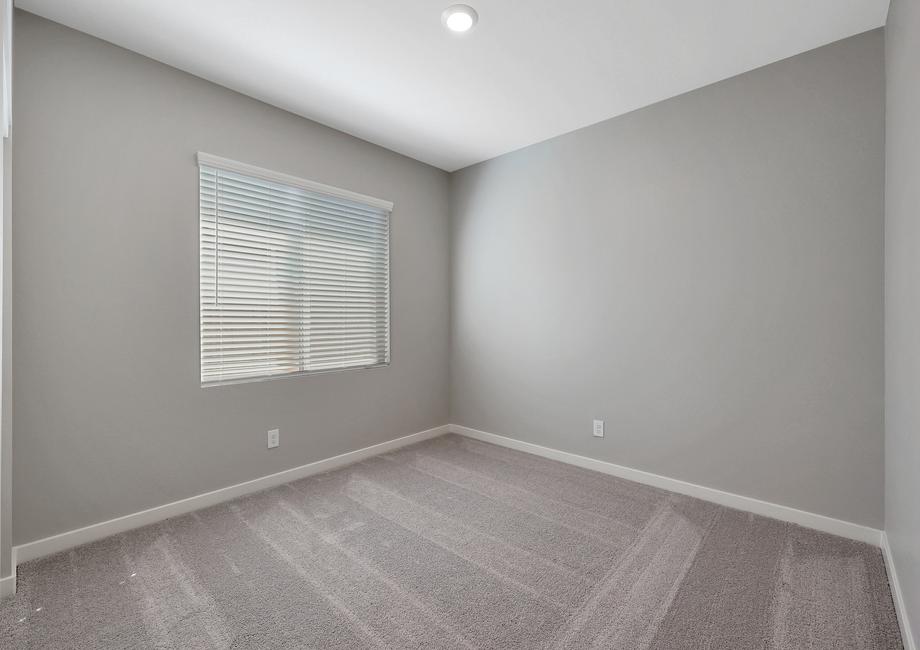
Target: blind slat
(292,280)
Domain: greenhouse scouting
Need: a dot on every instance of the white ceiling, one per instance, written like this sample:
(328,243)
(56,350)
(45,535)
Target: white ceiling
(388,72)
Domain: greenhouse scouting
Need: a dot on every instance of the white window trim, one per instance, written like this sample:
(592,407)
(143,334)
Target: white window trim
(210,160)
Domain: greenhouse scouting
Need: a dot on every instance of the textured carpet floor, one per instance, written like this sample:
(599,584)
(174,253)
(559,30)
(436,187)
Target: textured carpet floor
(453,543)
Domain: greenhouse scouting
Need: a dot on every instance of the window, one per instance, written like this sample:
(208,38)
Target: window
(295,276)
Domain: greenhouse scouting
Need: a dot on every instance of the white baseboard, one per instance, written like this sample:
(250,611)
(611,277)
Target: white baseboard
(8,584)
(70,539)
(783,513)
(906,634)
(63,541)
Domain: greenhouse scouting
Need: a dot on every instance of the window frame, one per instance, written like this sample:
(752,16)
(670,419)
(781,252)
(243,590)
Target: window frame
(216,162)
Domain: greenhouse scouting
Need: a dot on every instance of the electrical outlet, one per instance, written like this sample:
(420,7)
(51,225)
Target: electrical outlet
(598,428)
(274,438)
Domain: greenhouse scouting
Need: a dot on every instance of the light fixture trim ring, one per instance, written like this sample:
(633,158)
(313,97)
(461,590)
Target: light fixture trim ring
(459,19)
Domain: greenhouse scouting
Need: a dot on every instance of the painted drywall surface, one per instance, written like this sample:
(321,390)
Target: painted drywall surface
(705,274)
(902,299)
(6,367)
(110,417)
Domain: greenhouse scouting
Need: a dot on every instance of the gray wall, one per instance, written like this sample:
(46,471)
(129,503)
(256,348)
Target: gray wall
(109,415)
(705,274)
(902,299)
(6,368)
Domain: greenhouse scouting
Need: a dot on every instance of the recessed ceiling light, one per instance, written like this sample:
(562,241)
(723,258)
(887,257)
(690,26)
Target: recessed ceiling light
(459,18)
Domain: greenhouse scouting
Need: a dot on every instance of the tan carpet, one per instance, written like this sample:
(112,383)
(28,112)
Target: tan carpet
(454,543)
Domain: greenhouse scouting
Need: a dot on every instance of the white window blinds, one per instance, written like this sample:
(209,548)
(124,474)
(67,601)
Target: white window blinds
(294,275)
